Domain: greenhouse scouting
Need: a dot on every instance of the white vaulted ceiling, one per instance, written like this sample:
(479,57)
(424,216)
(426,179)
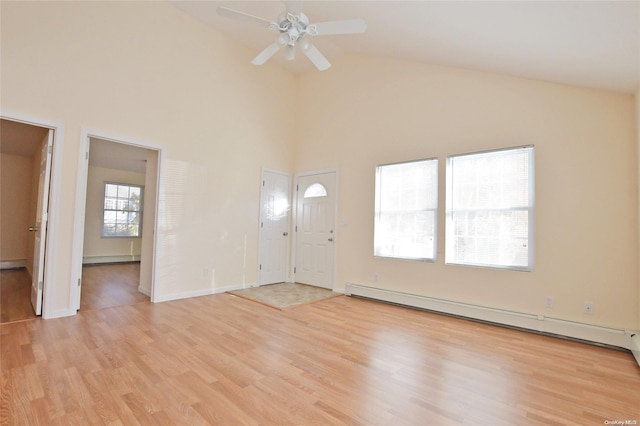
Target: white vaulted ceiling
(585,43)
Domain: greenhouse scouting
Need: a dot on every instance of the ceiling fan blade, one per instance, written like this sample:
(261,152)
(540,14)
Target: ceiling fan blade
(241,16)
(351,26)
(316,57)
(266,54)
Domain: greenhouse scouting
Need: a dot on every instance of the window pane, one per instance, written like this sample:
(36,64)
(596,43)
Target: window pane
(123,191)
(490,209)
(315,190)
(406,207)
(110,190)
(122,210)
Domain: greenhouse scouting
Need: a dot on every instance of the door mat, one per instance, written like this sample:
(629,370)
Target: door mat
(285,295)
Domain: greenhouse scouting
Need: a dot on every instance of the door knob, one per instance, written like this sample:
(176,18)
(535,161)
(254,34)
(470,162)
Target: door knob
(284,234)
(330,239)
(33,228)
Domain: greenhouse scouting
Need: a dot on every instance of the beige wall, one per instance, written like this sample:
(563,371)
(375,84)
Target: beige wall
(94,244)
(368,111)
(16,184)
(148,72)
(160,76)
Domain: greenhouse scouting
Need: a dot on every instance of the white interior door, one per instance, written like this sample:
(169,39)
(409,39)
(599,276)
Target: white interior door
(315,217)
(40,227)
(275,207)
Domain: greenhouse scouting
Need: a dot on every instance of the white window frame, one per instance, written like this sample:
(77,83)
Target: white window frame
(379,243)
(450,248)
(105,209)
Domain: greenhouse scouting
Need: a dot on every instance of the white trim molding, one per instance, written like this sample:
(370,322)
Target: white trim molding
(55,189)
(77,259)
(625,339)
(198,293)
(94,260)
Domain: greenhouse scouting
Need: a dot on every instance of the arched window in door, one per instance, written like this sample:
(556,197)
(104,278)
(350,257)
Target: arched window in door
(315,190)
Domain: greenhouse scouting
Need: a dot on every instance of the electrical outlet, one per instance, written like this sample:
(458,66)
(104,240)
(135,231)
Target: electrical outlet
(548,302)
(588,308)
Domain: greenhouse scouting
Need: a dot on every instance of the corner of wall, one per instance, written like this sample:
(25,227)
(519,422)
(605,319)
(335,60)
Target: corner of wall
(637,98)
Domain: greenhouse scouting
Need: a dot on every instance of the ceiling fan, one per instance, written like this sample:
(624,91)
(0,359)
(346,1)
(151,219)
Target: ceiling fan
(294,30)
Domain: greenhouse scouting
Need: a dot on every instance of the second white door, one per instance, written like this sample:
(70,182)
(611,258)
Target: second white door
(40,227)
(274,227)
(315,217)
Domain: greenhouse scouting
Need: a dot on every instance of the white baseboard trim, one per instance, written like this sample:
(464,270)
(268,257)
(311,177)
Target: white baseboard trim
(13,264)
(539,323)
(635,346)
(94,260)
(60,313)
(198,293)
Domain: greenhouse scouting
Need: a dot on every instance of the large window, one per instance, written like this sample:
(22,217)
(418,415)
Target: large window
(490,209)
(406,209)
(122,212)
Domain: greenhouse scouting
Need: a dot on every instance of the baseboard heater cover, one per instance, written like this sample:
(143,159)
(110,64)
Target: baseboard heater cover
(635,346)
(13,264)
(541,324)
(94,260)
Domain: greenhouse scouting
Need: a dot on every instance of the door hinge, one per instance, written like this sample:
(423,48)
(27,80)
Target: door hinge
(86,155)
(49,149)
(296,228)
(294,269)
(79,281)
(261,267)
(261,224)
(40,283)
(297,188)
(263,183)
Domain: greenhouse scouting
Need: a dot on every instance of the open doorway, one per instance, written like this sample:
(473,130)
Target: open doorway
(118,235)
(25,169)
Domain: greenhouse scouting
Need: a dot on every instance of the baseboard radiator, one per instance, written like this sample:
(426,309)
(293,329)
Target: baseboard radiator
(94,260)
(635,346)
(13,264)
(538,323)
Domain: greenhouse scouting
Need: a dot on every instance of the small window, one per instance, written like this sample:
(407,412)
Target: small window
(490,209)
(315,190)
(122,211)
(406,206)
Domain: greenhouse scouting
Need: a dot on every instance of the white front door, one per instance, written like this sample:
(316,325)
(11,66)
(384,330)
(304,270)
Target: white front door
(40,227)
(275,207)
(315,217)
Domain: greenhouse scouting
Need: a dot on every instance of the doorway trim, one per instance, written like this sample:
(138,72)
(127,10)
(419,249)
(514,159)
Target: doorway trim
(295,218)
(80,207)
(50,260)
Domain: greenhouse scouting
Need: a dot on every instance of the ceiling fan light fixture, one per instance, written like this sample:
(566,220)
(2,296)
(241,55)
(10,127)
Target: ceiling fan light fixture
(304,44)
(282,39)
(290,53)
(293,28)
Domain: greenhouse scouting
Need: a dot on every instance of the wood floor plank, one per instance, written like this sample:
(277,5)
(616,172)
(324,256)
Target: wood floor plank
(15,295)
(225,360)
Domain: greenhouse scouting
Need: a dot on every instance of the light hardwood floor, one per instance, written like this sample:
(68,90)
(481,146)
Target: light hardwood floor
(105,285)
(109,285)
(15,295)
(222,359)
